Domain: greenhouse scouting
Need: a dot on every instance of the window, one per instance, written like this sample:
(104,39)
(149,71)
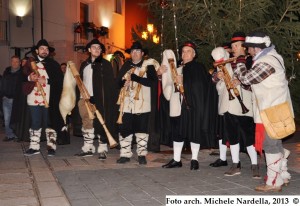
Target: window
(118,8)
(84,18)
(84,12)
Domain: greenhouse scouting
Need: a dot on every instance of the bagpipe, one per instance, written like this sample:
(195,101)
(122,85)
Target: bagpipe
(38,85)
(91,108)
(228,82)
(124,92)
(172,73)
(178,86)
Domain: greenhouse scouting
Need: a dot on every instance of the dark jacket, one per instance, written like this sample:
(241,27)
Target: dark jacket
(10,83)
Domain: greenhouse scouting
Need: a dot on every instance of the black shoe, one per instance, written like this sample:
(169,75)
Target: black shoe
(51,152)
(102,156)
(84,154)
(142,160)
(194,165)
(123,160)
(219,163)
(172,164)
(31,152)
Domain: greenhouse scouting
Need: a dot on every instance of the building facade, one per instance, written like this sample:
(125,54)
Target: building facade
(67,25)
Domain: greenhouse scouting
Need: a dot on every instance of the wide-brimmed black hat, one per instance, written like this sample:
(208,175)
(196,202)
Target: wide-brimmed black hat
(43,42)
(189,44)
(95,41)
(238,36)
(257,39)
(135,45)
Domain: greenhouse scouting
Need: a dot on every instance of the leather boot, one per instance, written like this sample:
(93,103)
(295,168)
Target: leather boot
(234,170)
(268,188)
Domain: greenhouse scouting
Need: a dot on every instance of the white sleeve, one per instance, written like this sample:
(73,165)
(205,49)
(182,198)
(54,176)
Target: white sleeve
(167,82)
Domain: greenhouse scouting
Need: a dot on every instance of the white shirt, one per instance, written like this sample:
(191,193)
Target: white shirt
(88,79)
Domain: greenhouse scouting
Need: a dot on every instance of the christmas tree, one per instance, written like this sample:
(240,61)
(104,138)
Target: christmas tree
(210,23)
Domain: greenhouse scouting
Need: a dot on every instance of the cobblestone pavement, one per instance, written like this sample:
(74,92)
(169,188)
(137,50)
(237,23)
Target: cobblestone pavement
(68,180)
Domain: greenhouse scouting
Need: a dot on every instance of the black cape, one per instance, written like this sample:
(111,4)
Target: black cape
(105,95)
(163,123)
(197,122)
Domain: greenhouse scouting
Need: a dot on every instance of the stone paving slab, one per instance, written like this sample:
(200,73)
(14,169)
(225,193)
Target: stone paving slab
(44,176)
(49,189)
(14,178)
(19,201)
(55,201)
(14,193)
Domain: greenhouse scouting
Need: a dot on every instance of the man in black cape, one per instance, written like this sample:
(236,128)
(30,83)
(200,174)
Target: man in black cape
(195,123)
(49,78)
(97,76)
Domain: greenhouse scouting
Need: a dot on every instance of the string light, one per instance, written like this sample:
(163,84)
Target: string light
(150,34)
(211,23)
(155,39)
(240,11)
(163,5)
(145,35)
(150,28)
(293,73)
(175,29)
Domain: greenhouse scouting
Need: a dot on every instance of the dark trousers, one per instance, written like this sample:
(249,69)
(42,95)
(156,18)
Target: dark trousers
(39,117)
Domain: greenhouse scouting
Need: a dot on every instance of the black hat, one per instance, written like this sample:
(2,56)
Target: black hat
(96,41)
(43,42)
(119,53)
(257,39)
(189,44)
(135,45)
(238,36)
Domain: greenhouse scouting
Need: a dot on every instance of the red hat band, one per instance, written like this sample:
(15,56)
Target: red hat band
(238,39)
